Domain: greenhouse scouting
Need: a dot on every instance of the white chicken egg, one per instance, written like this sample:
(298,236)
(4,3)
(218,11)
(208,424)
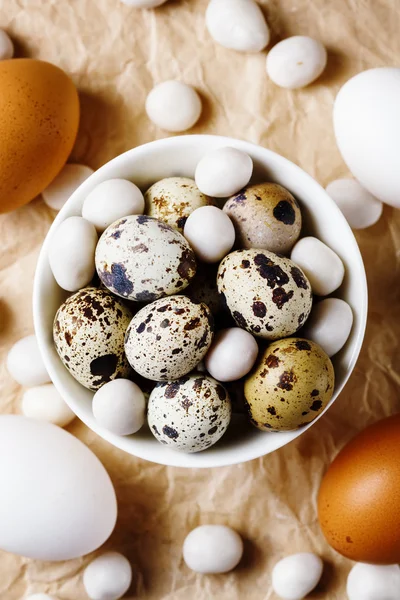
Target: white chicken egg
(64,185)
(173,106)
(231,355)
(25,364)
(360,208)
(119,406)
(296,62)
(223,172)
(322,266)
(373,582)
(107,577)
(295,576)
(44,402)
(212,549)
(329,324)
(210,233)
(6,46)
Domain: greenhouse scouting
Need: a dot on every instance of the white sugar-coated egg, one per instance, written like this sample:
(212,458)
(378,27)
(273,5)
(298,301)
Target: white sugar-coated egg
(60,502)
(329,324)
(25,364)
(322,266)
(143,3)
(107,577)
(210,233)
(44,402)
(64,185)
(295,576)
(119,406)
(212,549)
(173,106)
(231,355)
(296,62)
(373,582)
(111,200)
(223,172)
(40,597)
(360,208)
(237,25)
(71,253)
(6,46)
(366,119)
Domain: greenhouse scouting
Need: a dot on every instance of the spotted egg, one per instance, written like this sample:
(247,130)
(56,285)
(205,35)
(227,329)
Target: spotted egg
(266,294)
(89,330)
(141,258)
(189,414)
(290,385)
(168,338)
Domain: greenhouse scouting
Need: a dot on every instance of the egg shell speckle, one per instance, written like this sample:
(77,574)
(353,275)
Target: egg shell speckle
(190,414)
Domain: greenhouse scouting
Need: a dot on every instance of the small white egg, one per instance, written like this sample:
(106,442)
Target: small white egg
(360,208)
(143,3)
(64,185)
(223,172)
(372,582)
(107,577)
(39,597)
(173,106)
(231,355)
(210,232)
(43,402)
(212,549)
(111,200)
(72,253)
(321,265)
(119,406)
(6,46)
(296,62)
(25,364)
(295,576)
(329,324)
(237,25)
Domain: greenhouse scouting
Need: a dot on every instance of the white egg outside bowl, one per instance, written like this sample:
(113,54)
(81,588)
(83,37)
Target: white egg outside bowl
(178,156)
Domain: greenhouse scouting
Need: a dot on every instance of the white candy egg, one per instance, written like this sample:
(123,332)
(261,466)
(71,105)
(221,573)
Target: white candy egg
(231,355)
(322,266)
(295,576)
(329,324)
(360,208)
(119,406)
(237,25)
(296,62)
(143,3)
(25,364)
(173,106)
(371,582)
(111,200)
(107,577)
(223,172)
(44,403)
(212,549)
(71,253)
(64,185)
(6,46)
(210,232)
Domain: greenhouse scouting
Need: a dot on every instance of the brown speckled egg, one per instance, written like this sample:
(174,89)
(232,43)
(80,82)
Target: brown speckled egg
(265,216)
(173,199)
(168,338)
(142,259)
(266,294)
(290,385)
(89,330)
(190,414)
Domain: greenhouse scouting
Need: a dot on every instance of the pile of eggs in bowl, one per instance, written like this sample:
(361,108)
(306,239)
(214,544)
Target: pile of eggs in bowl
(198,292)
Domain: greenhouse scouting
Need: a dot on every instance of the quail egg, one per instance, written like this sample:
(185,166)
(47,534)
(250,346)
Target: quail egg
(88,333)
(290,385)
(141,258)
(266,294)
(168,338)
(190,414)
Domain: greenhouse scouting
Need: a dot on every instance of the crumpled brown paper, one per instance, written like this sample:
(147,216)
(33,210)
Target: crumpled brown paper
(115,54)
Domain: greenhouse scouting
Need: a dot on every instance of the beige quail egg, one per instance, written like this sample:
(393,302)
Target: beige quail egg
(290,385)
(142,259)
(88,333)
(173,199)
(168,338)
(189,414)
(266,294)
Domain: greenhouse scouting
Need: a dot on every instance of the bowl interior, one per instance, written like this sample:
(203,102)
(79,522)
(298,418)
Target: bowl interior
(179,156)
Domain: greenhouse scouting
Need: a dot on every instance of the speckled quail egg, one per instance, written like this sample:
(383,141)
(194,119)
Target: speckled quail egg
(266,294)
(173,199)
(168,338)
(141,258)
(290,385)
(265,216)
(88,333)
(190,414)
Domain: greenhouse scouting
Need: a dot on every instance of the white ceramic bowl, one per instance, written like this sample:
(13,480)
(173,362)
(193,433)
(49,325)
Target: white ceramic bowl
(178,156)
